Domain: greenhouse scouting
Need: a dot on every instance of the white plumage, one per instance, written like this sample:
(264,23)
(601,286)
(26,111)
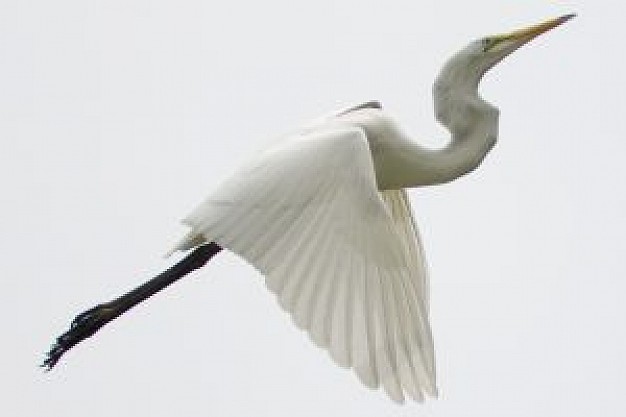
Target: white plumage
(324,216)
(342,257)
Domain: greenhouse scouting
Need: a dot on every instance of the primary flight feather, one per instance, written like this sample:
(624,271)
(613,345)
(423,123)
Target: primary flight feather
(324,216)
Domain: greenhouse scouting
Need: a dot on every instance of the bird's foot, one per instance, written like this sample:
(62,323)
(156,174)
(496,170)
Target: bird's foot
(83,326)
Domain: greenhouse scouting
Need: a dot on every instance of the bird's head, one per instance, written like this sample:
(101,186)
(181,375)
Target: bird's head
(492,49)
(466,68)
(486,52)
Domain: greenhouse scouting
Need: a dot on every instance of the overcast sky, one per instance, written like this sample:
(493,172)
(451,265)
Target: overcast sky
(117,117)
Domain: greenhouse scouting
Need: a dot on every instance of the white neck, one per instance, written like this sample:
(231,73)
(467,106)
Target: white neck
(400,162)
(472,122)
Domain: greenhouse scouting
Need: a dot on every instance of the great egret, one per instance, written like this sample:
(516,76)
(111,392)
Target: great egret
(324,215)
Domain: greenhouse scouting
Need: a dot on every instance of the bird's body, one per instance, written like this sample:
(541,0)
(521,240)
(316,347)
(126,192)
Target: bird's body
(323,214)
(342,255)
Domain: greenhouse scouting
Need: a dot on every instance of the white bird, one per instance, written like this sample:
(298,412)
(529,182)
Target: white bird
(324,216)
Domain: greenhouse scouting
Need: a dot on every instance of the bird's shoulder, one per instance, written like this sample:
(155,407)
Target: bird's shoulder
(373,104)
(362,128)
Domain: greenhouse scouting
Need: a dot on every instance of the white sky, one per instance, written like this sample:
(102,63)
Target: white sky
(117,117)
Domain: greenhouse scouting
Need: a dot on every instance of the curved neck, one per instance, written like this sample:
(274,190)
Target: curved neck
(472,122)
(400,162)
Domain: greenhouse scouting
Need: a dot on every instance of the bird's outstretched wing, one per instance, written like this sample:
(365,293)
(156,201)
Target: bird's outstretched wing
(343,258)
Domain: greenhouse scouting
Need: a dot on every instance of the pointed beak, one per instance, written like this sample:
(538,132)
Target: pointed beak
(522,36)
(509,42)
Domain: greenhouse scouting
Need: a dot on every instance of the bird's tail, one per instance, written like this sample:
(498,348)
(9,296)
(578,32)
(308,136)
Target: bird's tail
(189,241)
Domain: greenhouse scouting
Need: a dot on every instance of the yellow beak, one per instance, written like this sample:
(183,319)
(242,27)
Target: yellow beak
(522,36)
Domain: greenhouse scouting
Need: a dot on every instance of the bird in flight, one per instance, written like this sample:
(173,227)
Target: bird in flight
(323,214)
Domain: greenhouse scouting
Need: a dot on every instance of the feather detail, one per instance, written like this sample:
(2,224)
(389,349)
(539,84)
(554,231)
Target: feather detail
(343,258)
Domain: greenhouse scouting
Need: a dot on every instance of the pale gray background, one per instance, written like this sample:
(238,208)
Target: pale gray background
(117,117)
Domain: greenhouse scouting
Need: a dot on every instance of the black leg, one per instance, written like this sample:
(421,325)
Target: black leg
(89,322)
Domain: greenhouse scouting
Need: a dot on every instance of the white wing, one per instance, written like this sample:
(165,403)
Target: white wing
(343,258)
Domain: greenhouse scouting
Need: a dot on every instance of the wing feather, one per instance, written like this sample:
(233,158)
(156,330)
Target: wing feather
(343,258)
(305,265)
(324,306)
(342,328)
